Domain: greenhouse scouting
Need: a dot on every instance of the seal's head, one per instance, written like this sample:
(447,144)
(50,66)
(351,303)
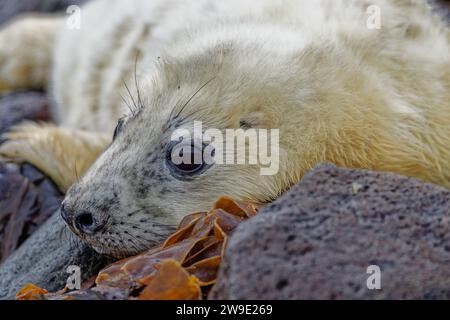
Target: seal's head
(135,194)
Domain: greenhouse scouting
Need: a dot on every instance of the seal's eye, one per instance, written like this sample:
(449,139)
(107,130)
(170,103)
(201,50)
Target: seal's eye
(118,128)
(186,159)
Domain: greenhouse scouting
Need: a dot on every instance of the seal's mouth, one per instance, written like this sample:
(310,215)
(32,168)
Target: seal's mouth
(111,249)
(108,252)
(117,244)
(116,234)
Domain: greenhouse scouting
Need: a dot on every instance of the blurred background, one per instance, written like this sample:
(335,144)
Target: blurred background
(10,8)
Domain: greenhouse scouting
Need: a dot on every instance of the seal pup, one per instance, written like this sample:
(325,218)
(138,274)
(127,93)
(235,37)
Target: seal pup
(337,89)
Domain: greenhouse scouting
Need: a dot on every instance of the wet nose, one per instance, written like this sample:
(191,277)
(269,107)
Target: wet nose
(84,222)
(87,224)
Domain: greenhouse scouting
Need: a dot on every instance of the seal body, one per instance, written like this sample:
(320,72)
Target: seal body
(339,87)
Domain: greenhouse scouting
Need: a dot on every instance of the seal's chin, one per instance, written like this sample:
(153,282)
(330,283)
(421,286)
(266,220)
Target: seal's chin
(103,248)
(107,252)
(113,252)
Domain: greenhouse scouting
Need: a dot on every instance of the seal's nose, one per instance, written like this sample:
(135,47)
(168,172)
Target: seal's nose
(64,213)
(83,222)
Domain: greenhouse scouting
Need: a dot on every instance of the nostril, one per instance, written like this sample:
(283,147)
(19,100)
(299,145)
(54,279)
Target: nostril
(85,220)
(86,223)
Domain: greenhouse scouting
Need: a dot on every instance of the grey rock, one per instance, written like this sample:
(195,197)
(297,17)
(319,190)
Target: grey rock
(27,199)
(317,241)
(17,107)
(442,7)
(11,8)
(43,260)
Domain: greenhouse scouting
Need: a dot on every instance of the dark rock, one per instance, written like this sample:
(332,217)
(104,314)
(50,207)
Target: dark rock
(43,259)
(27,199)
(317,241)
(17,107)
(442,7)
(11,8)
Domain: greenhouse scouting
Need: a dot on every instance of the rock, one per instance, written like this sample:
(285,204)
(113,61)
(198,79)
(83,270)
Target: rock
(43,259)
(11,8)
(27,199)
(17,107)
(442,7)
(317,241)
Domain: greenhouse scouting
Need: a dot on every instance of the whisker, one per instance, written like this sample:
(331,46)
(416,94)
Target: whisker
(126,102)
(136,82)
(131,96)
(135,246)
(76,171)
(171,117)
(168,229)
(134,212)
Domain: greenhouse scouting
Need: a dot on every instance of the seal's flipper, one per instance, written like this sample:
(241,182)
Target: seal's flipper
(62,154)
(26,53)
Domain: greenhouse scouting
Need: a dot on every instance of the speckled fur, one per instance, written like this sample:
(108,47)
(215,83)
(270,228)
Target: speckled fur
(338,92)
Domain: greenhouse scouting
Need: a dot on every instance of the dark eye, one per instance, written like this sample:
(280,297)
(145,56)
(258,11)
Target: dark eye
(118,128)
(186,160)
